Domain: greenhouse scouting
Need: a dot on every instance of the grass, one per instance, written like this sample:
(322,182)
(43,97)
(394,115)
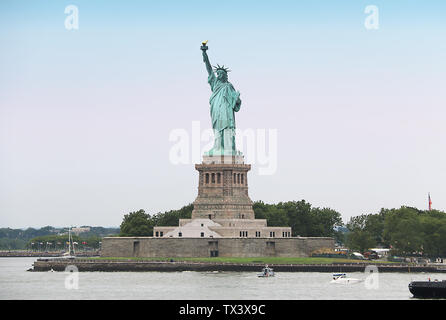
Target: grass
(261,260)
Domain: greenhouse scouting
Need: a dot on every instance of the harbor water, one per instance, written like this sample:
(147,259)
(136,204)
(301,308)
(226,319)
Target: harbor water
(18,283)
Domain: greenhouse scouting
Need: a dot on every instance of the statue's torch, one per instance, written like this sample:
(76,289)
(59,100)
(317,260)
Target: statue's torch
(204,47)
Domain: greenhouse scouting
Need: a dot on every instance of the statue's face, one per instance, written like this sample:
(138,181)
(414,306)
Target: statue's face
(222,76)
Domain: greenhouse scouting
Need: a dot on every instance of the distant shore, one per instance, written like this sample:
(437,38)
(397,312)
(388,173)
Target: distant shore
(134,265)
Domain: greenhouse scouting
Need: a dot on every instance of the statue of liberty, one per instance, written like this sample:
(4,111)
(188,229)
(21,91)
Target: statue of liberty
(224,101)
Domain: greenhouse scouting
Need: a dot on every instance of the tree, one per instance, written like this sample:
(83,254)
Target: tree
(299,216)
(403,230)
(359,238)
(303,220)
(274,215)
(172,217)
(324,221)
(136,224)
(375,226)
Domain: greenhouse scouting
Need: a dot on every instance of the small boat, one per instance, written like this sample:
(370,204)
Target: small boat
(428,289)
(343,279)
(266,272)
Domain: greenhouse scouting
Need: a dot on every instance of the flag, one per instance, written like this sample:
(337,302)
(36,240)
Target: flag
(430,201)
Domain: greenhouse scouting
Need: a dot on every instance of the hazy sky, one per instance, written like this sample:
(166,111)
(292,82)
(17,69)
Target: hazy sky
(86,114)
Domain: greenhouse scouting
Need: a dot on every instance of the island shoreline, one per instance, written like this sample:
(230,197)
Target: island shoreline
(123,265)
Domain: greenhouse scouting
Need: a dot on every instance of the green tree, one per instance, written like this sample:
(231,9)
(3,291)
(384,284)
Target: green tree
(274,215)
(301,217)
(172,217)
(136,224)
(359,238)
(375,226)
(324,221)
(403,230)
(12,244)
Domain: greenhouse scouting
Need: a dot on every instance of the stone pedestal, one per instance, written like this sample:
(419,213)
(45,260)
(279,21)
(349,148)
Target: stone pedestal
(222,208)
(223,189)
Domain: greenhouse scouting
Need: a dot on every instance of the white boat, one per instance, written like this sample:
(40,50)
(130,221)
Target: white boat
(342,278)
(266,272)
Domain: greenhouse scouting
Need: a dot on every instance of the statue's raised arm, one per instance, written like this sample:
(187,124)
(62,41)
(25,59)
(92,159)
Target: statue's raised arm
(204,47)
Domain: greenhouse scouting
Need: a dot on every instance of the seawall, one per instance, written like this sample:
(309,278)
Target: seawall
(176,266)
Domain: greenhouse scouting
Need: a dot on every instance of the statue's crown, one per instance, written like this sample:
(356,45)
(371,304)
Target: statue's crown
(218,67)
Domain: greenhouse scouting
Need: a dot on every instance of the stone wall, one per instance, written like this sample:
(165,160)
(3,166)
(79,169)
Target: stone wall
(206,247)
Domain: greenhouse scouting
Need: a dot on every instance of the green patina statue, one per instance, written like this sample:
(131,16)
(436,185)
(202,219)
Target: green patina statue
(224,101)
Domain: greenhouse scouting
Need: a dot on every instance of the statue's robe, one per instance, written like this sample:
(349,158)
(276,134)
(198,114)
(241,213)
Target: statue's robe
(224,102)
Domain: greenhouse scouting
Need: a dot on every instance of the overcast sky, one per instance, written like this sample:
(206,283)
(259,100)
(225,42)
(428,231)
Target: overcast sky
(86,114)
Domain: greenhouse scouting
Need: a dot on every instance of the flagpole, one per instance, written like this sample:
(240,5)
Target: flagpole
(430,201)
